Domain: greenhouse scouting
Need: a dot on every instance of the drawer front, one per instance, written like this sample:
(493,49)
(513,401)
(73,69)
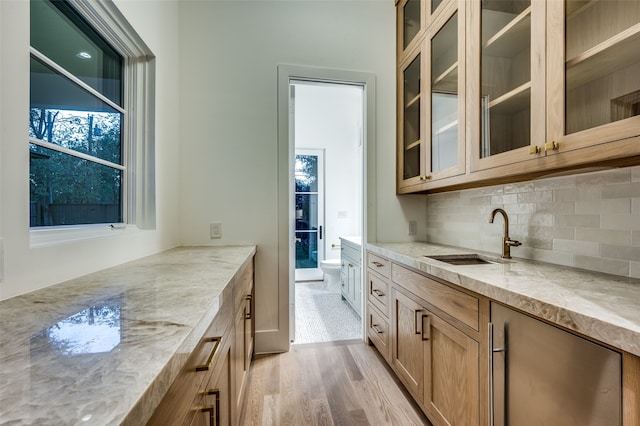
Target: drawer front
(460,305)
(379,264)
(378,292)
(351,252)
(378,332)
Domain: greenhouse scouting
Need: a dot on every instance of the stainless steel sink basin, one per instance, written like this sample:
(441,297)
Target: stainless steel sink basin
(463,259)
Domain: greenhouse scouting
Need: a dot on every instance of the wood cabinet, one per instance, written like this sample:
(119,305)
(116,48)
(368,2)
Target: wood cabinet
(211,387)
(351,274)
(436,360)
(542,86)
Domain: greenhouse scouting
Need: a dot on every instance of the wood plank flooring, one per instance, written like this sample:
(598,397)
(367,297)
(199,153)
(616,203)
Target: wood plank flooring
(335,383)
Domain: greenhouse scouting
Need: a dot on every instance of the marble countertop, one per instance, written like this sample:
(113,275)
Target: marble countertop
(603,307)
(103,349)
(354,240)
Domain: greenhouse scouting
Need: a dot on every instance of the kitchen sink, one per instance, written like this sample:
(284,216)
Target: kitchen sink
(463,259)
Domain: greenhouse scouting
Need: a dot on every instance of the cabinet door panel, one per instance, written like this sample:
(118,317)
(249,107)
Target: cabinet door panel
(451,391)
(408,359)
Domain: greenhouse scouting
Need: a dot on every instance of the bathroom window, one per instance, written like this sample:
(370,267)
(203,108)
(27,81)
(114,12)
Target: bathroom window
(89,118)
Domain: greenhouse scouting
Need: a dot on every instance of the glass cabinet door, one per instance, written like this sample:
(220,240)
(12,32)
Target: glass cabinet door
(410,131)
(446,108)
(594,58)
(410,22)
(510,45)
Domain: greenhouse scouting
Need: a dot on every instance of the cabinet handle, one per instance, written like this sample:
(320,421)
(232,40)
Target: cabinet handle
(249,299)
(425,177)
(377,328)
(377,292)
(492,350)
(416,314)
(207,364)
(551,146)
(213,409)
(534,150)
(378,264)
(427,327)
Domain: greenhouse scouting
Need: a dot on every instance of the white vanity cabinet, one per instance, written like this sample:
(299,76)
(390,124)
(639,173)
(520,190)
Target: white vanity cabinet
(351,273)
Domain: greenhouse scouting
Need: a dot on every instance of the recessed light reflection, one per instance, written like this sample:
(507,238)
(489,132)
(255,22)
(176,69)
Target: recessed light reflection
(84,55)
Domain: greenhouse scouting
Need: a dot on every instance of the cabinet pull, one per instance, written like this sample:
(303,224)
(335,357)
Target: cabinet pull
(534,150)
(427,327)
(377,328)
(377,292)
(207,364)
(378,264)
(416,314)
(249,298)
(492,350)
(212,409)
(551,146)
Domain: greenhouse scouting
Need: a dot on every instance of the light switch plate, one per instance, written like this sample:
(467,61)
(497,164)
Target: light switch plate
(215,229)
(413,227)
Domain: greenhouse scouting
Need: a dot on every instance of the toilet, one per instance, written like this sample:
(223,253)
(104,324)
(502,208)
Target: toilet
(331,269)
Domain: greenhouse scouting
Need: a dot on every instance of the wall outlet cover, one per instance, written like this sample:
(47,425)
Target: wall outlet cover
(413,227)
(215,229)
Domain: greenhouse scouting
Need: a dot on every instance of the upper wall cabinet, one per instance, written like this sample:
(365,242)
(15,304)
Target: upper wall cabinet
(533,87)
(432,115)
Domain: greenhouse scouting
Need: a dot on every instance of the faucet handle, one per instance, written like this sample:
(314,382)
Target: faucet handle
(513,243)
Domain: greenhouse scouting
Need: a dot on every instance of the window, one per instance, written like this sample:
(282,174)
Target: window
(90,118)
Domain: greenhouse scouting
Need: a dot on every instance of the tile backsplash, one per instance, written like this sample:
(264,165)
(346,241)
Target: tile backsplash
(590,220)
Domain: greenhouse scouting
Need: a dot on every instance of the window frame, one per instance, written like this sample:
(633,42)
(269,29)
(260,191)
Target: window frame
(138,127)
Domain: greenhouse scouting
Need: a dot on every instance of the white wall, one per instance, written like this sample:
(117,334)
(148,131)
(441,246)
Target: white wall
(329,117)
(230,51)
(25,268)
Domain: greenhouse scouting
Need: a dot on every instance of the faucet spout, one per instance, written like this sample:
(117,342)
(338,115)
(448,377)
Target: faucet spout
(506,241)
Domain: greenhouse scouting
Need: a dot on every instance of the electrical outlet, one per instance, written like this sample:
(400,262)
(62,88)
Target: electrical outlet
(413,227)
(215,229)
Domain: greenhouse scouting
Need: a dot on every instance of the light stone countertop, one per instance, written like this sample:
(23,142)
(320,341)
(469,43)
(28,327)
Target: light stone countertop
(103,349)
(353,240)
(600,306)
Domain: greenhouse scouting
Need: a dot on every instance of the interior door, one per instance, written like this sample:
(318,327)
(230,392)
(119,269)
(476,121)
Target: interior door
(309,211)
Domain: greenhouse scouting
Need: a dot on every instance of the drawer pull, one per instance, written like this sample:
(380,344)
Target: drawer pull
(213,409)
(249,298)
(377,292)
(377,328)
(427,327)
(378,264)
(416,314)
(207,365)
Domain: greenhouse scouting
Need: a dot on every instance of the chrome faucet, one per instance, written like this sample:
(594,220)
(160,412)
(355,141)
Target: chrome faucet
(506,241)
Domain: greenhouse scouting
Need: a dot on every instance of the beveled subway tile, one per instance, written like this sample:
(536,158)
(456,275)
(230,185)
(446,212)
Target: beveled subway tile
(564,233)
(522,208)
(565,195)
(535,197)
(620,252)
(628,190)
(577,220)
(606,236)
(608,266)
(519,187)
(546,232)
(584,248)
(541,219)
(635,238)
(589,193)
(555,183)
(540,243)
(550,256)
(620,221)
(635,206)
(605,177)
(635,174)
(556,207)
(504,199)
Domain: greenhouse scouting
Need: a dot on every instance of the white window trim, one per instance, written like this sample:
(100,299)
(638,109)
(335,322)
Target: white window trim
(139,130)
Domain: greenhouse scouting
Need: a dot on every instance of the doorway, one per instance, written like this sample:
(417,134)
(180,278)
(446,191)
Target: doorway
(326,123)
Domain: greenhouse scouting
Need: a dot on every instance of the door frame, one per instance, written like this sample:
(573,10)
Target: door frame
(278,340)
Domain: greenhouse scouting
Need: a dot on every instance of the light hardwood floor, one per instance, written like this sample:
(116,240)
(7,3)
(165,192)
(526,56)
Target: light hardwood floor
(335,383)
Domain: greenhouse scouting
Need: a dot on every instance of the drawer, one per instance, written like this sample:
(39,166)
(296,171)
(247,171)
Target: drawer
(243,285)
(378,292)
(379,264)
(350,251)
(378,332)
(461,306)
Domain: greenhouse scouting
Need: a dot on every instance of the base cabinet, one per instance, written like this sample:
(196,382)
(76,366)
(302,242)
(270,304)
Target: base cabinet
(210,389)
(351,274)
